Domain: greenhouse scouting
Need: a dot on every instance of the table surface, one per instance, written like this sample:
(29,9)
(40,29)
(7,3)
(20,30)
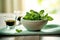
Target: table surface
(48,30)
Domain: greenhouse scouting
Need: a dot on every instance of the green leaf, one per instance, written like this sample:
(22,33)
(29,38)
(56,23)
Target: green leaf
(26,17)
(46,15)
(32,11)
(17,30)
(49,18)
(41,13)
(27,14)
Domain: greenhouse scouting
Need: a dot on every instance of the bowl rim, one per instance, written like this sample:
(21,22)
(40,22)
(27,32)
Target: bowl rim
(33,20)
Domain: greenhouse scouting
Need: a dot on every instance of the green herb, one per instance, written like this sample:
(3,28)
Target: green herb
(17,30)
(41,12)
(34,15)
(49,18)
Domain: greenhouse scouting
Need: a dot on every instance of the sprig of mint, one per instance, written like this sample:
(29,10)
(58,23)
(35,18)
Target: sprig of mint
(34,15)
(17,30)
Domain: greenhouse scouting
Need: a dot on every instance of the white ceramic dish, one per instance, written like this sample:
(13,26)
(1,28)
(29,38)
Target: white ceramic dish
(33,24)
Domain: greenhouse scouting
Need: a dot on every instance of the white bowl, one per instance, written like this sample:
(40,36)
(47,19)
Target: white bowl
(33,25)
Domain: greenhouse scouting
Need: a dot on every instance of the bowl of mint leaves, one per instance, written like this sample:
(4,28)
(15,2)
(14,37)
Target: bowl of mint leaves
(34,21)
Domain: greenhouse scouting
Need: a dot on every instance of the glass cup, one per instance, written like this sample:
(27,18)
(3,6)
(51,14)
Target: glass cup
(10,21)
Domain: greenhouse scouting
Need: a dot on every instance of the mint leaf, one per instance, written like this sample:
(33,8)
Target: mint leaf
(32,11)
(46,15)
(17,30)
(41,13)
(49,18)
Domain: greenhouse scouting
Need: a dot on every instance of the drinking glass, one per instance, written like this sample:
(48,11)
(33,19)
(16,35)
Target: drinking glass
(10,21)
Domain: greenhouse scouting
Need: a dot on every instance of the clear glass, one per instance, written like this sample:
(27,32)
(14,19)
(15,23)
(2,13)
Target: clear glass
(10,21)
